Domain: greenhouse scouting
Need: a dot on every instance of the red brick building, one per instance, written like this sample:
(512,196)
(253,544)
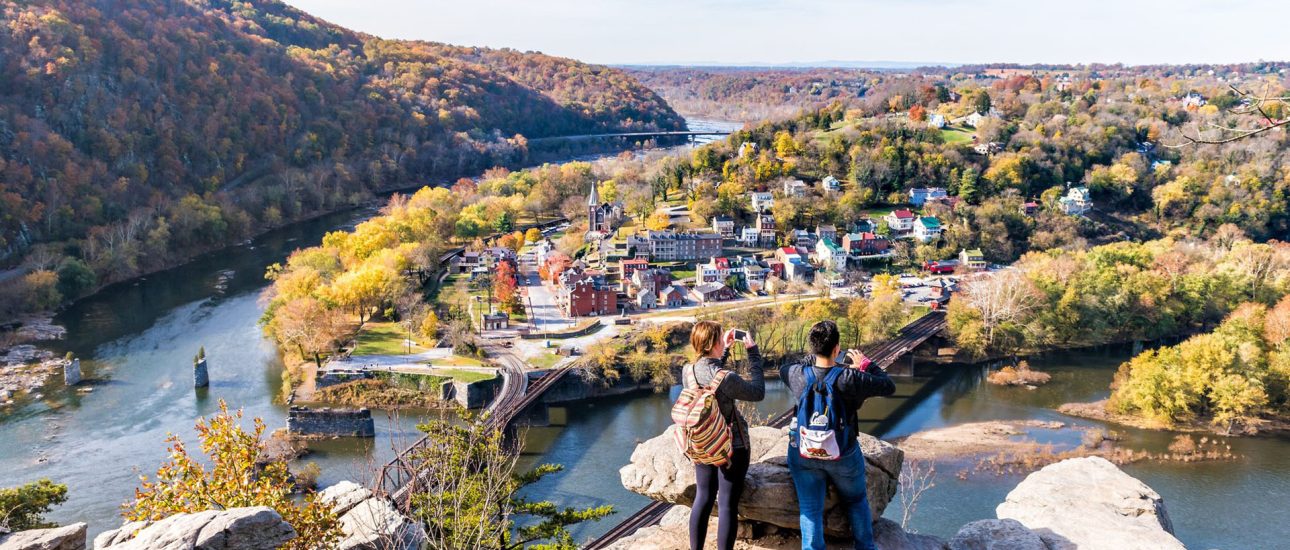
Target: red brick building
(580,294)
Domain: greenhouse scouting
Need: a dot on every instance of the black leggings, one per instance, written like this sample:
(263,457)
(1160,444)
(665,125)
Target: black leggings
(720,486)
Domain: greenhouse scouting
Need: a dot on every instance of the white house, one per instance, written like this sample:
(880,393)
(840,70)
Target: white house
(936,121)
(927,229)
(1077,201)
(831,184)
(761,200)
(830,256)
(900,221)
(724,225)
(795,188)
(749,236)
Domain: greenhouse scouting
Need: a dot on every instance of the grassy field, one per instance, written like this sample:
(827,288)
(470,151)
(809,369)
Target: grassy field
(457,361)
(955,134)
(467,376)
(382,339)
(544,361)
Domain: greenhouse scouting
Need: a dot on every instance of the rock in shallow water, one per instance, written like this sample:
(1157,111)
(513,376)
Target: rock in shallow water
(658,470)
(1090,504)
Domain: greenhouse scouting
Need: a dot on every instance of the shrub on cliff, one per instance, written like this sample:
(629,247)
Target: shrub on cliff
(236,478)
(23,507)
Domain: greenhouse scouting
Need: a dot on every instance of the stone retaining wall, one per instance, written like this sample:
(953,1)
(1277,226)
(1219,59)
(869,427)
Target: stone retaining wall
(327,422)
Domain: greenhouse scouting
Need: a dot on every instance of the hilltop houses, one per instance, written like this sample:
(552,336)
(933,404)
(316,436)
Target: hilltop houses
(724,226)
(761,200)
(647,285)
(919,196)
(831,184)
(830,256)
(936,121)
(802,238)
(765,229)
(826,232)
(1077,201)
(1030,208)
(900,221)
(867,244)
(927,229)
(972,259)
(795,267)
(795,188)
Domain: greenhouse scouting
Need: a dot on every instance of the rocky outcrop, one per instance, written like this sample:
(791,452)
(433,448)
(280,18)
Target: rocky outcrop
(1090,504)
(253,528)
(71,537)
(996,534)
(672,533)
(658,470)
(370,522)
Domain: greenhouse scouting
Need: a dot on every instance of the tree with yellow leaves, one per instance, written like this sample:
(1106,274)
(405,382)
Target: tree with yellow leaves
(238,476)
(658,221)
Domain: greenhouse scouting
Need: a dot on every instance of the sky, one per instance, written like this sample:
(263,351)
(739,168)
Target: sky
(752,32)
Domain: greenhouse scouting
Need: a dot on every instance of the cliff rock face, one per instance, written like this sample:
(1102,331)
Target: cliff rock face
(658,470)
(1090,504)
(672,533)
(71,537)
(252,528)
(370,522)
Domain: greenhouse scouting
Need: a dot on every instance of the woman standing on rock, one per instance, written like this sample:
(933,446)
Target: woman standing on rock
(721,484)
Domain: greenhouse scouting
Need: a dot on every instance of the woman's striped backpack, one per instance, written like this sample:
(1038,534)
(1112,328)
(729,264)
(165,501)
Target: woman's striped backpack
(703,433)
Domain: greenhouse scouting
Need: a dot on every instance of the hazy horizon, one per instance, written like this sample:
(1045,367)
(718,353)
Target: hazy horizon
(830,33)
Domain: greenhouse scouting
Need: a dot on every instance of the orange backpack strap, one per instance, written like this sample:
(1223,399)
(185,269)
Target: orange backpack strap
(717,379)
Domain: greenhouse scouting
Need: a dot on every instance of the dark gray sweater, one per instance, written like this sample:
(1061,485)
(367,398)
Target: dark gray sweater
(733,388)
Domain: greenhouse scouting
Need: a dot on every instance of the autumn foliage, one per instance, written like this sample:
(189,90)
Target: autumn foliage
(223,480)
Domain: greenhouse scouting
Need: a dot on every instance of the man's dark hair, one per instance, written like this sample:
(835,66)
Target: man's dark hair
(823,338)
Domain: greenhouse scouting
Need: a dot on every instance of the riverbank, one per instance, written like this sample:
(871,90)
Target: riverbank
(1097,410)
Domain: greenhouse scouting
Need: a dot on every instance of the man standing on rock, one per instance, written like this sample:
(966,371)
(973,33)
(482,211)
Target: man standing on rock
(822,440)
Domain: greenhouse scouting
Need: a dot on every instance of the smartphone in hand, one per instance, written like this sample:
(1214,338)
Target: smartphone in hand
(740,335)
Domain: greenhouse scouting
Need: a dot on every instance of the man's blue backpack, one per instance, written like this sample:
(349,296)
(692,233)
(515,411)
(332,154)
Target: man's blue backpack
(822,431)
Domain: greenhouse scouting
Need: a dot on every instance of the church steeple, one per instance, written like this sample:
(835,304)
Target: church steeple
(593,198)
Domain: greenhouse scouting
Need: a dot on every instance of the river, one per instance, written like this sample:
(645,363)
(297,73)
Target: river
(137,341)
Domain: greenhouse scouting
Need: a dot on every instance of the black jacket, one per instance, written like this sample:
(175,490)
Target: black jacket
(733,388)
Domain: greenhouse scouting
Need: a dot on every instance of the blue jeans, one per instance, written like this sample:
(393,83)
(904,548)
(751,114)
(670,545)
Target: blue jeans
(811,478)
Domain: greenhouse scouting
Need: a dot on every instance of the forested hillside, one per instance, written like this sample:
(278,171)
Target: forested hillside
(133,134)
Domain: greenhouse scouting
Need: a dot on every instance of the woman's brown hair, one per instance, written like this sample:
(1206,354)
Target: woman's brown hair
(704,336)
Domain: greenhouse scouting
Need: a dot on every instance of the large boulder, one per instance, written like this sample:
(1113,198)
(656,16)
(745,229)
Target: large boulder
(370,522)
(71,537)
(253,528)
(996,534)
(658,470)
(1088,503)
(673,531)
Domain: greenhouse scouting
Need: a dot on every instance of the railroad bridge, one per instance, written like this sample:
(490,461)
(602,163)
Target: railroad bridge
(690,135)
(399,478)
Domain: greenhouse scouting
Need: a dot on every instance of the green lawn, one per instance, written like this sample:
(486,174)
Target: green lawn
(953,134)
(457,361)
(467,376)
(544,361)
(382,339)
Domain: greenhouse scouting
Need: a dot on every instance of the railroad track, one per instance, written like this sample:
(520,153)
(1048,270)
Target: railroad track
(910,336)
